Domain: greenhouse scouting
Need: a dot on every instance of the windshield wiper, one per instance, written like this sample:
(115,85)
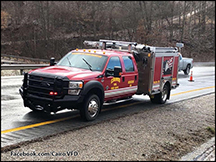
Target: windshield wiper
(69,61)
(87,64)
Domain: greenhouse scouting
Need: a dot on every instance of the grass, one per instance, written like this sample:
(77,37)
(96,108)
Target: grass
(211,129)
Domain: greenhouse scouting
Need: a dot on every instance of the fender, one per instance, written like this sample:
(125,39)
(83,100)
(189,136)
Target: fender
(93,85)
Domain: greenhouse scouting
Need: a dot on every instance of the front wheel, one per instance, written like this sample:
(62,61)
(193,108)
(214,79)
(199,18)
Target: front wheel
(90,108)
(161,98)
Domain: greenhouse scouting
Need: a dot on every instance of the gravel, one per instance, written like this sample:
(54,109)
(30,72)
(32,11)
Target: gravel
(161,133)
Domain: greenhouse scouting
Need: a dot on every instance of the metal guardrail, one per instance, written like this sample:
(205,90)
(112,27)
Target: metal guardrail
(21,58)
(22,67)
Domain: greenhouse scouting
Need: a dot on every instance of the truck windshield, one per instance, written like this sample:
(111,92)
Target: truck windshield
(90,61)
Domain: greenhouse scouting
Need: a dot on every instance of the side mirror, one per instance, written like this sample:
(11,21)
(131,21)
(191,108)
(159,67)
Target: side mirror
(117,71)
(108,72)
(52,61)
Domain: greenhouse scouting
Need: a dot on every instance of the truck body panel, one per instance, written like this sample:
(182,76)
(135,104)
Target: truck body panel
(157,74)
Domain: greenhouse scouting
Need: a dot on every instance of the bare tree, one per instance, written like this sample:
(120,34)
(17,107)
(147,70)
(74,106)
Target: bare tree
(51,28)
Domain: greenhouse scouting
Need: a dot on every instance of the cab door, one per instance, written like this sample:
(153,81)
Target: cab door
(130,75)
(112,85)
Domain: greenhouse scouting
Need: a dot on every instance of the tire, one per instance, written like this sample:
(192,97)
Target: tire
(187,70)
(153,98)
(91,108)
(162,97)
(164,94)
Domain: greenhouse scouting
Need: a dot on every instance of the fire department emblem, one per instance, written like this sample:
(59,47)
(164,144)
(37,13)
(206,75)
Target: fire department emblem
(167,66)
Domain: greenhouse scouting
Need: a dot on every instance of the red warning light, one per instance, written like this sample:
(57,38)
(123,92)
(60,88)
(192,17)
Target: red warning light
(53,93)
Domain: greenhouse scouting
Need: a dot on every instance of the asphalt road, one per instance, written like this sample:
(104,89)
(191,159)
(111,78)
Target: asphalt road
(20,124)
(151,133)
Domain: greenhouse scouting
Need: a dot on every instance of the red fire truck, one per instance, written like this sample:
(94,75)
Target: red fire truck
(85,79)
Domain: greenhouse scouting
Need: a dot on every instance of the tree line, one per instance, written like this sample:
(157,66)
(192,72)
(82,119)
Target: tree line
(43,29)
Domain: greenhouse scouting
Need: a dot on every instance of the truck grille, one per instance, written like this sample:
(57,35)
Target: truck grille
(41,86)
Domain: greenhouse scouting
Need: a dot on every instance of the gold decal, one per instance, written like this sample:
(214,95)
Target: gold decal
(130,81)
(115,80)
(117,87)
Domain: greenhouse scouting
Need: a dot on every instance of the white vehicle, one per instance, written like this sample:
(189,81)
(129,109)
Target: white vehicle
(185,64)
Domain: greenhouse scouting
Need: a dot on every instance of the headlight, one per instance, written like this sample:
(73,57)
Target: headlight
(75,87)
(73,84)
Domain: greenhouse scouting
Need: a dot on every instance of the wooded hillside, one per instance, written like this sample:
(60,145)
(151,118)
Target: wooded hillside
(43,29)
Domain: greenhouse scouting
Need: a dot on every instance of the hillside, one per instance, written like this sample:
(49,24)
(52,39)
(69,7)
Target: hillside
(44,29)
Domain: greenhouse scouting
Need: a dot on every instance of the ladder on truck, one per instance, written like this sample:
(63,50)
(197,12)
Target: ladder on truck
(129,46)
(112,44)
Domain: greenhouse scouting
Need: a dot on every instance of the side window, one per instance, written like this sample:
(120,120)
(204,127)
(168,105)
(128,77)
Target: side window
(114,61)
(128,63)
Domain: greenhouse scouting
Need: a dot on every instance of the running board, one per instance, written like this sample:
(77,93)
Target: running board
(119,101)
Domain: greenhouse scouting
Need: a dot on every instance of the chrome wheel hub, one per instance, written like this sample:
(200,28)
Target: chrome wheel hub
(93,108)
(164,94)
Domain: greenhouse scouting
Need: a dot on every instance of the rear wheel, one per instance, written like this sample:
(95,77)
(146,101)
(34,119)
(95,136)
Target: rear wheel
(161,98)
(90,108)
(187,70)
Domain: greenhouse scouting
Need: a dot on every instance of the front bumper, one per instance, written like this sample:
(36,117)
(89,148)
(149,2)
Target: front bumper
(50,104)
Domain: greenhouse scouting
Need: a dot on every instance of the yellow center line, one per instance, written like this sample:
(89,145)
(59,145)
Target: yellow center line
(58,120)
(34,125)
(192,90)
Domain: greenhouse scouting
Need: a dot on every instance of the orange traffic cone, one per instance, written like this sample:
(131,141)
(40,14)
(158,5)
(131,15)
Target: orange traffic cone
(191,77)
